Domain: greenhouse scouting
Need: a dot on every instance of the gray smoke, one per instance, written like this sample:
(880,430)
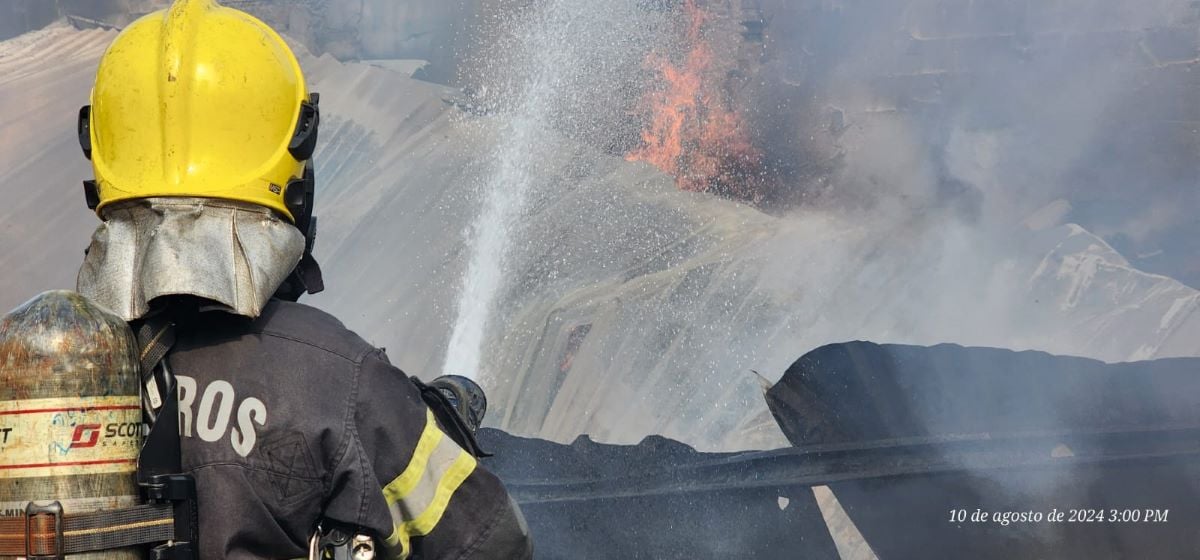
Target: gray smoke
(997,109)
(927,165)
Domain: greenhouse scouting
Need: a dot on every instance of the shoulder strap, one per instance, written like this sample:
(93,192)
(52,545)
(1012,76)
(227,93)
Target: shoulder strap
(155,337)
(160,462)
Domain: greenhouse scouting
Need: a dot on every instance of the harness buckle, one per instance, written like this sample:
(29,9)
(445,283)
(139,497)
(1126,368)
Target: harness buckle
(53,509)
(179,490)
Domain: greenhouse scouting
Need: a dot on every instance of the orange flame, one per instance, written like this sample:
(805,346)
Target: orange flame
(692,133)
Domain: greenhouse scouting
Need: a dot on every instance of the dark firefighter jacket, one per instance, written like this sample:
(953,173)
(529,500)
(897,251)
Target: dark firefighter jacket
(292,418)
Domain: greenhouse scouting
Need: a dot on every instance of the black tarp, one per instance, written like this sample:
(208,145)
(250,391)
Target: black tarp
(761,522)
(858,393)
(903,436)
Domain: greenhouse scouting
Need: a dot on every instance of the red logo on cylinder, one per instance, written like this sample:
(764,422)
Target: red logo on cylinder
(86,435)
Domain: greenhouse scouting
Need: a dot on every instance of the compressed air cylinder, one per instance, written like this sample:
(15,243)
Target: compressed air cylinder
(70,414)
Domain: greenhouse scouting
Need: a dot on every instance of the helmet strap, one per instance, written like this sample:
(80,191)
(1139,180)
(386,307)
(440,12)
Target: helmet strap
(298,197)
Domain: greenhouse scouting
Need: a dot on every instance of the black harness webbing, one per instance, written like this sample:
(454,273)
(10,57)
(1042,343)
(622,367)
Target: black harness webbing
(160,463)
(155,337)
(44,532)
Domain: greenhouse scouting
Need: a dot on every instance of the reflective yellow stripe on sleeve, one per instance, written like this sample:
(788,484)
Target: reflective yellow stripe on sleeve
(418,497)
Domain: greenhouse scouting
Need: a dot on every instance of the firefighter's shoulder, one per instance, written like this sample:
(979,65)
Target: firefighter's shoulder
(308,325)
(285,324)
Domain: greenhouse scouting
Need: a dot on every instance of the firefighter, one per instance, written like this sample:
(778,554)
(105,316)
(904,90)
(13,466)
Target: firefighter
(201,134)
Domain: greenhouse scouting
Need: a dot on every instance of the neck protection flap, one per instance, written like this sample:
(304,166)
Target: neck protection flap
(234,255)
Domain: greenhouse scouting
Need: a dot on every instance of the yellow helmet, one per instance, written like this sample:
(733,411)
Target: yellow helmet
(200,100)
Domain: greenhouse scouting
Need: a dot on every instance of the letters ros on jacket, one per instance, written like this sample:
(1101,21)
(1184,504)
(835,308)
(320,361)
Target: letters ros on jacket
(214,413)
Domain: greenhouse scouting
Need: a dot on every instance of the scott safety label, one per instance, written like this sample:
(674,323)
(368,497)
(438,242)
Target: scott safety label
(60,437)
